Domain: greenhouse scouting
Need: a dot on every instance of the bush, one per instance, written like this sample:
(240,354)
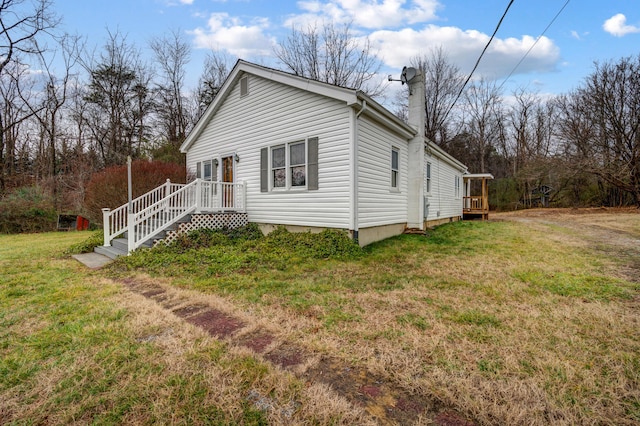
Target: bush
(203,238)
(27,209)
(96,239)
(328,244)
(108,187)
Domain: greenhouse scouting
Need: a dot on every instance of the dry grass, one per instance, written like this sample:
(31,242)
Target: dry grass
(76,347)
(525,320)
(530,319)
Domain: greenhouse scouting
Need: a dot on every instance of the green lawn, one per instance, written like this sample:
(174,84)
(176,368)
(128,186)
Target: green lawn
(507,323)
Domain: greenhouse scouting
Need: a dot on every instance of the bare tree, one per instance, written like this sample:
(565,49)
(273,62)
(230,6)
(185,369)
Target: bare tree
(443,80)
(215,72)
(600,124)
(483,120)
(21,23)
(332,55)
(13,114)
(172,54)
(53,95)
(118,100)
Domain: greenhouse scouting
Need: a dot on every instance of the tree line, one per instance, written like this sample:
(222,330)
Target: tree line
(67,112)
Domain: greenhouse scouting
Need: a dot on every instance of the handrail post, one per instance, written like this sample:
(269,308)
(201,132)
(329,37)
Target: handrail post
(244,196)
(106,226)
(198,195)
(131,230)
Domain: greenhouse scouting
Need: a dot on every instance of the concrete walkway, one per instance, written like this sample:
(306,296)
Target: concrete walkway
(92,260)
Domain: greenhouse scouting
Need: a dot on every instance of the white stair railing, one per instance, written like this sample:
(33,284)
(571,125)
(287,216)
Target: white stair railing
(115,221)
(160,208)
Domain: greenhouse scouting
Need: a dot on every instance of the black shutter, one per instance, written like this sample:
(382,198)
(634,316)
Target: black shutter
(312,163)
(199,170)
(264,170)
(214,170)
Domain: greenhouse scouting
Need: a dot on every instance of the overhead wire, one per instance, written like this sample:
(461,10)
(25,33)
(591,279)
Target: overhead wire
(477,62)
(533,45)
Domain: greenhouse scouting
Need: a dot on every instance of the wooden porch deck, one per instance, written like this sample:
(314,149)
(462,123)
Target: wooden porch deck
(475,206)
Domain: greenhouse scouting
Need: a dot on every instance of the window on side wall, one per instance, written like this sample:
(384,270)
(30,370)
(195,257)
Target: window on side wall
(293,165)
(457,186)
(206,170)
(278,167)
(395,169)
(427,175)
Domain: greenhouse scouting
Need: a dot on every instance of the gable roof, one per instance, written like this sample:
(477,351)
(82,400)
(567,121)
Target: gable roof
(351,97)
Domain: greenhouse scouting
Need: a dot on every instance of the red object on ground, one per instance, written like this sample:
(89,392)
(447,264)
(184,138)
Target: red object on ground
(82,224)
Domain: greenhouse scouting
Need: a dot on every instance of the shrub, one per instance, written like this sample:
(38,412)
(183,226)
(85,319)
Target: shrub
(328,244)
(202,238)
(96,239)
(108,187)
(27,209)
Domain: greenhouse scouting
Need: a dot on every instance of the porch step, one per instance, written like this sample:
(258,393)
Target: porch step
(415,231)
(111,252)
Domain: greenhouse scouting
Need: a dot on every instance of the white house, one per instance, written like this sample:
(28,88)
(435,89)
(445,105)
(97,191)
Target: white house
(313,155)
(277,149)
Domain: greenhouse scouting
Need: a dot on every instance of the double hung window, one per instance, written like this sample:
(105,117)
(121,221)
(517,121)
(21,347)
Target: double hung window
(395,168)
(289,165)
(292,165)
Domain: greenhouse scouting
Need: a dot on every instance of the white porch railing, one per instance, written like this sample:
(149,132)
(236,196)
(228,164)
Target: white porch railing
(160,208)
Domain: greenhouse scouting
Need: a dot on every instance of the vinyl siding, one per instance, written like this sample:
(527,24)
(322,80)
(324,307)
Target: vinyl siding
(442,200)
(271,114)
(378,203)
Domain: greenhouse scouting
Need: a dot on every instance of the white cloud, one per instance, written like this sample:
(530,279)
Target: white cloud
(224,32)
(397,48)
(371,14)
(617,26)
(186,1)
(579,36)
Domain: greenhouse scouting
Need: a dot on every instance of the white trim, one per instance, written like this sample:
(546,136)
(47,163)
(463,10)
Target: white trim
(396,187)
(288,167)
(428,177)
(351,97)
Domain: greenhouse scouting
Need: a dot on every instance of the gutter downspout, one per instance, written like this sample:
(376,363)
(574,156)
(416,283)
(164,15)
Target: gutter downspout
(354,175)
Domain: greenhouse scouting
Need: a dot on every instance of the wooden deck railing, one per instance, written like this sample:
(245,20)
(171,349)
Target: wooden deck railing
(476,203)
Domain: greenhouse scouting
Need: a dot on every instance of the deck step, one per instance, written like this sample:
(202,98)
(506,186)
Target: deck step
(415,231)
(111,252)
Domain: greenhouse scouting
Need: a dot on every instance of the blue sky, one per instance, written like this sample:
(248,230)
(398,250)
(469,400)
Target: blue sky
(585,31)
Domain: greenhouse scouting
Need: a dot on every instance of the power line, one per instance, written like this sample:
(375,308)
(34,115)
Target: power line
(534,44)
(477,62)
